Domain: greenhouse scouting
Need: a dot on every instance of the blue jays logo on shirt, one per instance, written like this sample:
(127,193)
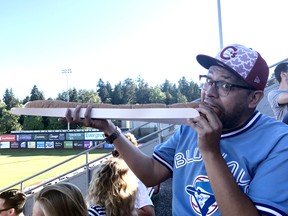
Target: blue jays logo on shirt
(201,196)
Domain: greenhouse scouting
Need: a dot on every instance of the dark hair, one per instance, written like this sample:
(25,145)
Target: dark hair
(283,67)
(14,199)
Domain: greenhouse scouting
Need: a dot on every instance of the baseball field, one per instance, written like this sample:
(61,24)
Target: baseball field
(16,165)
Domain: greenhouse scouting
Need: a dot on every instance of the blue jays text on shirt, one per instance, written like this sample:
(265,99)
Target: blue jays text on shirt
(182,160)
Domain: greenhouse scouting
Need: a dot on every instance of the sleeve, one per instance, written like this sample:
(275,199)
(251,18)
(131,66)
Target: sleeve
(268,189)
(165,152)
(272,98)
(143,198)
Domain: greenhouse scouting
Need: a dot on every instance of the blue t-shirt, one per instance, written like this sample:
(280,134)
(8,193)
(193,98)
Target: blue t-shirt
(256,154)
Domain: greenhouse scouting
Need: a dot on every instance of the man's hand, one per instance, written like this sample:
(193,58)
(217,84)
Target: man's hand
(73,118)
(209,127)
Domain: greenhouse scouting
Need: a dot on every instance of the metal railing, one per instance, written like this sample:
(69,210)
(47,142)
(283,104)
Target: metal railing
(87,163)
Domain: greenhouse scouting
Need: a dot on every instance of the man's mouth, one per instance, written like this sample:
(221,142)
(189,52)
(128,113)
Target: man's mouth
(213,107)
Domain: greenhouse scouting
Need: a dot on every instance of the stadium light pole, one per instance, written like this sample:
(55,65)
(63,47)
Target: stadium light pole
(220,24)
(67,72)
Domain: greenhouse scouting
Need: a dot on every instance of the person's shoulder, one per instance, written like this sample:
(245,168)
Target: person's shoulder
(96,210)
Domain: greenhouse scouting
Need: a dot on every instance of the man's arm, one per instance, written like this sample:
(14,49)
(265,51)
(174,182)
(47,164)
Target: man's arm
(148,170)
(282,98)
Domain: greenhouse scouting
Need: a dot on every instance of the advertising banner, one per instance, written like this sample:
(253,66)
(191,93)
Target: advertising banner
(68,144)
(88,144)
(94,136)
(40,145)
(49,144)
(31,144)
(24,137)
(75,136)
(40,137)
(14,145)
(58,144)
(23,144)
(8,138)
(78,144)
(56,136)
(4,145)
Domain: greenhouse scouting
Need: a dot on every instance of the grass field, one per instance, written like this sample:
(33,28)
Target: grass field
(16,165)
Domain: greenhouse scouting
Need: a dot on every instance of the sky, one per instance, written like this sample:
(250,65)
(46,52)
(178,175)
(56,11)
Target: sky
(113,40)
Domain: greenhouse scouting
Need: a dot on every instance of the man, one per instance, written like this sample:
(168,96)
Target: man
(12,202)
(231,160)
(278,98)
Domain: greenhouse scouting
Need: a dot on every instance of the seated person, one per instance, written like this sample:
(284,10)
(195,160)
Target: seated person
(12,202)
(61,199)
(278,98)
(143,204)
(112,190)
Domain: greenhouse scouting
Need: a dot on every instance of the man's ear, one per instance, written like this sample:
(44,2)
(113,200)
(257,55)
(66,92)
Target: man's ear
(254,98)
(11,211)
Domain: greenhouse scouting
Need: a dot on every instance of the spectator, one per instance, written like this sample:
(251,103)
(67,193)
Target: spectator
(112,190)
(143,204)
(61,199)
(231,159)
(12,202)
(278,98)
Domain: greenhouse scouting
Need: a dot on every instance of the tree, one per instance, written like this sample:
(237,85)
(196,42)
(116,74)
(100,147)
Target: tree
(9,122)
(142,91)
(180,98)
(184,87)
(88,96)
(194,91)
(10,100)
(36,94)
(54,124)
(33,123)
(129,90)
(117,94)
(170,92)
(104,91)
(156,95)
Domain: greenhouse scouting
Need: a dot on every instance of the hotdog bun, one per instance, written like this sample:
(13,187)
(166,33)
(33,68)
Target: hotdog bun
(65,104)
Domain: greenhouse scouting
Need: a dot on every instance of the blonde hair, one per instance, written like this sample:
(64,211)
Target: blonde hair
(61,199)
(114,187)
(131,138)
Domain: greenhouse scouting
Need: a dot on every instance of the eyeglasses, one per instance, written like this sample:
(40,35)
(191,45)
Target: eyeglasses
(223,88)
(6,209)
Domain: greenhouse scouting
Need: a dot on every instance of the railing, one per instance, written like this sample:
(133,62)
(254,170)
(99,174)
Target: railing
(87,163)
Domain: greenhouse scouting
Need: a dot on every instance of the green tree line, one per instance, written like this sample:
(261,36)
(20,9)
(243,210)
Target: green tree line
(126,92)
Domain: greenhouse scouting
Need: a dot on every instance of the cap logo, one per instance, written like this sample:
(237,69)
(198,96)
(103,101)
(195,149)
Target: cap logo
(228,53)
(241,61)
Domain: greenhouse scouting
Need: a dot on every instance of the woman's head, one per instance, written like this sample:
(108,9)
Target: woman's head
(131,138)
(61,199)
(113,186)
(12,201)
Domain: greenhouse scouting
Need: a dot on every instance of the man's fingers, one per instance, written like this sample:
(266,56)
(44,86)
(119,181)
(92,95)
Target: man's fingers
(87,116)
(68,116)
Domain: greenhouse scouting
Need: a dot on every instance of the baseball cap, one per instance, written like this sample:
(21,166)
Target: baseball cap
(244,62)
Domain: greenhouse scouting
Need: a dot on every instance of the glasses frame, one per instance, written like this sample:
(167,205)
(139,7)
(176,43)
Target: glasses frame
(6,209)
(227,83)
